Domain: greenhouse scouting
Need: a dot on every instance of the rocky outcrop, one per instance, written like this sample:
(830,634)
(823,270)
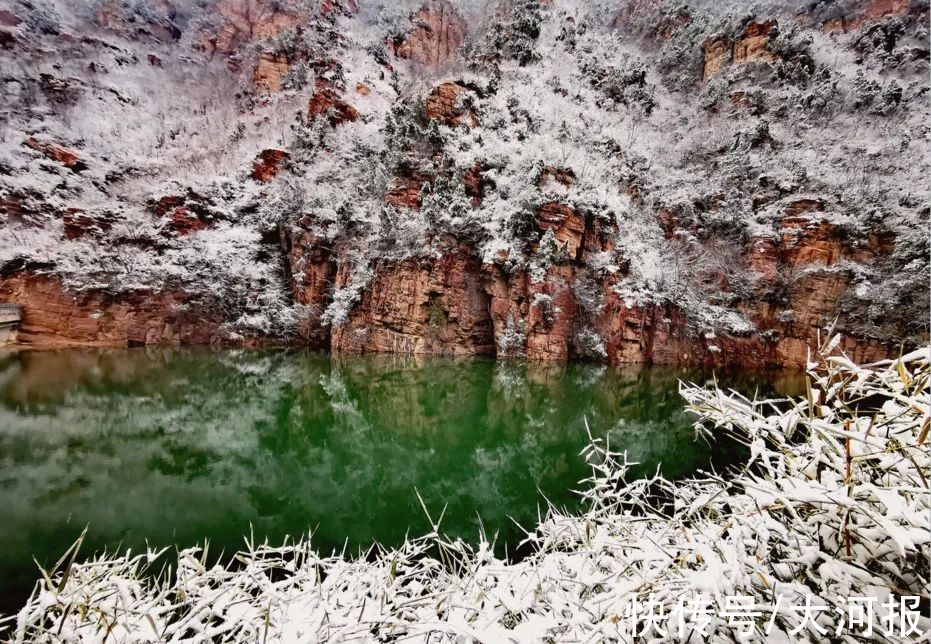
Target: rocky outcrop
(568,227)
(158,21)
(53,316)
(844,17)
(473,184)
(650,334)
(421,306)
(532,318)
(453,304)
(803,238)
(268,164)
(311,263)
(547,319)
(800,265)
(405,191)
(553,177)
(636,16)
(269,71)
(182,214)
(436,33)
(59,153)
(325,102)
(346,7)
(752,45)
(539,315)
(552,295)
(64,91)
(717,52)
(446,103)
(246,21)
(78,224)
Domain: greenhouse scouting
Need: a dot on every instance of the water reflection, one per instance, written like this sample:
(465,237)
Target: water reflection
(178,446)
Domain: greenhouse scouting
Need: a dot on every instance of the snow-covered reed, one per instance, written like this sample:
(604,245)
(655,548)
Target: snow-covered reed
(831,512)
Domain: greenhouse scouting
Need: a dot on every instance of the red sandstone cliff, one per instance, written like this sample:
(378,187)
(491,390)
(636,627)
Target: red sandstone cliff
(54,316)
(436,33)
(422,306)
(447,302)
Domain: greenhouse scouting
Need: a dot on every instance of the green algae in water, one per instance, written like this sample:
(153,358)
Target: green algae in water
(179,447)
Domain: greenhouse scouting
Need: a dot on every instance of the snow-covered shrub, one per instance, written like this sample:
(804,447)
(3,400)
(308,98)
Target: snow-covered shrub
(543,302)
(512,342)
(447,208)
(404,233)
(589,296)
(881,46)
(885,303)
(865,91)
(346,297)
(715,91)
(588,344)
(515,36)
(547,255)
(680,60)
(793,49)
(622,78)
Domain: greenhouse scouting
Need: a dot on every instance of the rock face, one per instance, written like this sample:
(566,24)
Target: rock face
(807,250)
(59,153)
(157,22)
(436,33)
(551,301)
(456,305)
(422,306)
(269,71)
(857,15)
(446,104)
(268,164)
(568,227)
(717,55)
(312,268)
(183,214)
(472,180)
(326,102)
(244,21)
(752,44)
(405,192)
(533,318)
(77,223)
(54,316)
(453,304)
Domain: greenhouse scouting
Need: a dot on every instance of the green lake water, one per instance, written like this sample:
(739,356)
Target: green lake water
(183,446)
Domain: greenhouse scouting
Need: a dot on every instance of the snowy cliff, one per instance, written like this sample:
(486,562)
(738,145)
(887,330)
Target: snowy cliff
(620,181)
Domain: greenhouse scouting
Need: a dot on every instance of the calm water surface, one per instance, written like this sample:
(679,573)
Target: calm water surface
(183,446)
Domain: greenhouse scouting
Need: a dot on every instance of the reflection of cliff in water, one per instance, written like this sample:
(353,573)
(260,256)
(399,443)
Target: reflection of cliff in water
(181,445)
